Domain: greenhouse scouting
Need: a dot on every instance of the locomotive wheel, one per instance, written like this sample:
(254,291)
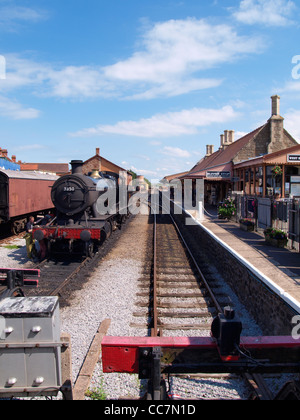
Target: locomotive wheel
(89,249)
(17,228)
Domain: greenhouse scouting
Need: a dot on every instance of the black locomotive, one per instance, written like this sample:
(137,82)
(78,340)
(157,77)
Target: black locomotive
(87,211)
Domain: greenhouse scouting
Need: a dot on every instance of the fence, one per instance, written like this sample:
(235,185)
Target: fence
(267,212)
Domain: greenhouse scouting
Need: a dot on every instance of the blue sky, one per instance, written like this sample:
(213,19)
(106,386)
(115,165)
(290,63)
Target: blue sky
(149,82)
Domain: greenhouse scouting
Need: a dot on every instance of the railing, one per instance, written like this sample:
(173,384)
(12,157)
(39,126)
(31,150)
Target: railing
(268,212)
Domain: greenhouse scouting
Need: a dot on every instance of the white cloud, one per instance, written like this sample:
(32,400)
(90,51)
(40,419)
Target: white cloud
(168,62)
(291,87)
(164,125)
(14,110)
(13,17)
(144,172)
(266,12)
(240,134)
(176,152)
(173,51)
(292,119)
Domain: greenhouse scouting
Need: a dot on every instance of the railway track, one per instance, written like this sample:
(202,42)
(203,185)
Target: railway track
(56,275)
(183,294)
(60,277)
(182,298)
(175,295)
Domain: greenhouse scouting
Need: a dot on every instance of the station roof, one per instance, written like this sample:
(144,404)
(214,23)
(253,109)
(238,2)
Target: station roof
(222,160)
(170,178)
(290,156)
(28,175)
(56,168)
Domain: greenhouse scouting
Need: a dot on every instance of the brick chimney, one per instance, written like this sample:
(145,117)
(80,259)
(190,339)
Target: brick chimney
(97,151)
(14,158)
(231,136)
(4,153)
(209,150)
(276,127)
(226,139)
(222,141)
(275,105)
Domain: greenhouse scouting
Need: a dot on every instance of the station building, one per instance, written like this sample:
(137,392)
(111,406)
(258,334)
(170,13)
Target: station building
(8,163)
(58,169)
(99,164)
(265,162)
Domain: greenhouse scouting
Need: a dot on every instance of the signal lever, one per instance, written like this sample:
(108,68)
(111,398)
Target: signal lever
(15,279)
(227,329)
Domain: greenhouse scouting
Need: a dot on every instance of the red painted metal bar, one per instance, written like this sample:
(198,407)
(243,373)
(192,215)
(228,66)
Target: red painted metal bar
(121,354)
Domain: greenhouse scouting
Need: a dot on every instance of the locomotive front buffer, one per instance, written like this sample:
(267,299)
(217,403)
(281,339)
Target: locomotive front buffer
(225,352)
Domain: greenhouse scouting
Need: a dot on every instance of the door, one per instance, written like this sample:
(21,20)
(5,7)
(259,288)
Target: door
(4,212)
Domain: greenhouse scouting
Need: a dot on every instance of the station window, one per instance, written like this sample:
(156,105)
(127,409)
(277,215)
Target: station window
(292,181)
(273,184)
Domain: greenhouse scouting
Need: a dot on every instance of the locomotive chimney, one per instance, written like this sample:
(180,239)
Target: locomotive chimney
(77,167)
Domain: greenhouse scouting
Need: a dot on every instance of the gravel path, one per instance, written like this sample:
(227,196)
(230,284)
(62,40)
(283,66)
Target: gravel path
(14,254)
(110,293)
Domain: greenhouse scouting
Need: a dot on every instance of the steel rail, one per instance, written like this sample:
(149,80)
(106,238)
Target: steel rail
(211,294)
(65,282)
(154,329)
(255,381)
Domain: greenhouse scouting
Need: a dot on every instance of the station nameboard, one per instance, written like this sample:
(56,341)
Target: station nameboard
(293,158)
(223,175)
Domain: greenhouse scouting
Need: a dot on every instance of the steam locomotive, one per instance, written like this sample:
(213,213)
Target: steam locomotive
(81,225)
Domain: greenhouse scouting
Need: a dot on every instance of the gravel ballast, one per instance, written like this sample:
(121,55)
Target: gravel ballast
(110,293)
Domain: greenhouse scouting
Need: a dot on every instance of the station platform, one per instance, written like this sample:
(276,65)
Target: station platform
(282,266)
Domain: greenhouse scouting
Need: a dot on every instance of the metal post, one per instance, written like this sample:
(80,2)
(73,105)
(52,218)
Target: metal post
(156,373)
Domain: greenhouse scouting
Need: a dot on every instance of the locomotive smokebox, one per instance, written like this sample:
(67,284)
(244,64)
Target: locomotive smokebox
(77,166)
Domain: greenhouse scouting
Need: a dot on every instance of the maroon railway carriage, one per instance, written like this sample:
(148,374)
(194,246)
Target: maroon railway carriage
(23,194)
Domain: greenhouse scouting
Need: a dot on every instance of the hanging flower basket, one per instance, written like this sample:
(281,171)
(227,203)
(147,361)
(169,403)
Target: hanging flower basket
(277,171)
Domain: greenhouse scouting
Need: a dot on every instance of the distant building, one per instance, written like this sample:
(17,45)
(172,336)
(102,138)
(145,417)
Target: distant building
(59,169)
(246,165)
(170,178)
(100,164)
(7,163)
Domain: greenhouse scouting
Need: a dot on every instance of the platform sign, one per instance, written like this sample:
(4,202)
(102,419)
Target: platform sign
(217,174)
(293,158)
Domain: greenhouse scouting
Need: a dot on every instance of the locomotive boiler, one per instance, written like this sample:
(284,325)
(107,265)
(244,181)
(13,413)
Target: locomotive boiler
(83,214)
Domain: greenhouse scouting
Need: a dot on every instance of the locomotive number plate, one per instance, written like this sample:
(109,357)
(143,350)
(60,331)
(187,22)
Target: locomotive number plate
(69,189)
